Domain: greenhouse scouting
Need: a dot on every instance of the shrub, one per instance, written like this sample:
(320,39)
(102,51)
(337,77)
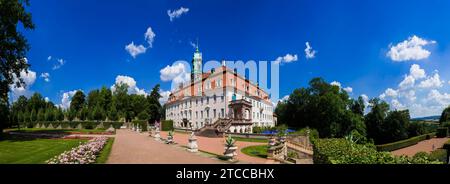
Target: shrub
(403,143)
(89,124)
(341,151)
(439,154)
(442,132)
(167,125)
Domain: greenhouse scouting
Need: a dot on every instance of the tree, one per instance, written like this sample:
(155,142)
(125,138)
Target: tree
(49,115)
(71,114)
(154,107)
(113,115)
(13,48)
(83,113)
(78,101)
(445,116)
(143,115)
(395,126)
(41,115)
(358,106)
(375,118)
(33,115)
(98,114)
(321,106)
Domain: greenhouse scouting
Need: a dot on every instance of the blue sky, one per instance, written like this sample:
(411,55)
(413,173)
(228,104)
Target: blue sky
(357,43)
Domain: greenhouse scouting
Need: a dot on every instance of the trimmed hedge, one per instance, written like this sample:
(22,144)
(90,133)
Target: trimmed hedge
(166,125)
(143,124)
(442,132)
(404,143)
(74,124)
(341,151)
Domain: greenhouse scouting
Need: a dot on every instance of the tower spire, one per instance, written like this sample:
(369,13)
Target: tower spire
(196,49)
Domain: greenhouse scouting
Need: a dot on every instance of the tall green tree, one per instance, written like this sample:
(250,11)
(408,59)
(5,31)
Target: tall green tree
(41,115)
(445,116)
(375,118)
(321,106)
(13,49)
(78,101)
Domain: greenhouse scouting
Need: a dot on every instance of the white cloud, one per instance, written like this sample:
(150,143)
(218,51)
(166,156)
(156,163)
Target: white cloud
(46,99)
(423,99)
(288,58)
(67,98)
(28,78)
(58,62)
(309,52)
(432,82)
(164,96)
(336,83)
(397,105)
(365,99)
(135,50)
(416,72)
(194,45)
(443,99)
(411,49)
(389,92)
(46,76)
(177,13)
(150,36)
(171,72)
(348,89)
(130,82)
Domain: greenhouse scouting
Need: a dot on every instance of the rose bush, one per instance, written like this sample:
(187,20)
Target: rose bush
(84,154)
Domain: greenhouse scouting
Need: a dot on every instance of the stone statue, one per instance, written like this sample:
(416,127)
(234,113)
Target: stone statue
(192,145)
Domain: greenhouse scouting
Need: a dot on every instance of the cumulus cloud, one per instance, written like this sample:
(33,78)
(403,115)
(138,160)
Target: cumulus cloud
(49,58)
(419,93)
(288,58)
(336,83)
(410,49)
(46,99)
(176,13)
(432,82)
(150,36)
(135,50)
(46,76)
(164,96)
(175,71)
(67,98)
(130,82)
(348,89)
(28,78)
(309,52)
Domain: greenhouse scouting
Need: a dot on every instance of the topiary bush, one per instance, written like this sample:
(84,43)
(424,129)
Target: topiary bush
(166,125)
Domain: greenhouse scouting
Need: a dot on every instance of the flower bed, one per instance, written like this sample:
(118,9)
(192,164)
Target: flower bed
(83,154)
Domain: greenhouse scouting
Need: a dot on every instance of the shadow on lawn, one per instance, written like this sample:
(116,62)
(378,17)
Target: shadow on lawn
(23,136)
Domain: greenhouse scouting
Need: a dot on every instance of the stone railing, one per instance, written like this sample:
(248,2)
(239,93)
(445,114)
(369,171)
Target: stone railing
(277,152)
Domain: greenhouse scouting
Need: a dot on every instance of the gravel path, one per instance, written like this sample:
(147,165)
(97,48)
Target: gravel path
(426,146)
(139,148)
(216,146)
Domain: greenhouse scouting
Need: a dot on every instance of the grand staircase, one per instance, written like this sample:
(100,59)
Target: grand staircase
(217,129)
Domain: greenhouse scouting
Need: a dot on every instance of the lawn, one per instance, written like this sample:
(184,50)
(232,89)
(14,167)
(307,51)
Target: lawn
(250,139)
(55,131)
(255,151)
(21,150)
(104,154)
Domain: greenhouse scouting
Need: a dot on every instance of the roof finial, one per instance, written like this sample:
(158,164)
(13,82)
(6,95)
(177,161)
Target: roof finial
(197,46)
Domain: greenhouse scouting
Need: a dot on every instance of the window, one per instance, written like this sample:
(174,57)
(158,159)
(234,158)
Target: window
(207,100)
(214,113)
(196,114)
(207,113)
(222,112)
(201,114)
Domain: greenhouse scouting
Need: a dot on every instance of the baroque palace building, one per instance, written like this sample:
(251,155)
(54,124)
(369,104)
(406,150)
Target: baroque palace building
(220,99)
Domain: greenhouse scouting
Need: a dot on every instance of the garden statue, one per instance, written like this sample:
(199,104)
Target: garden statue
(230,148)
(170,138)
(192,145)
(111,129)
(157,136)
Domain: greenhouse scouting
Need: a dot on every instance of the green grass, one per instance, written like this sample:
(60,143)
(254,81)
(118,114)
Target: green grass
(104,154)
(250,139)
(49,130)
(20,150)
(255,151)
